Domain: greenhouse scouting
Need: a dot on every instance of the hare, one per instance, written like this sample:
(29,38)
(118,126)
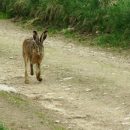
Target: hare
(33,52)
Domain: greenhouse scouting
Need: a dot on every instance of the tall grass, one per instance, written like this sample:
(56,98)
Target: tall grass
(107,18)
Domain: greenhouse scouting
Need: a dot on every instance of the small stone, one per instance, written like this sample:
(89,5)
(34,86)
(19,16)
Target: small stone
(68,78)
(117,108)
(60,98)
(88,90)
(67,89)
(10,57)
(104,93)
(127,118)
(29,126)
(69,127)
(125,123)
(57,121)
(46,66)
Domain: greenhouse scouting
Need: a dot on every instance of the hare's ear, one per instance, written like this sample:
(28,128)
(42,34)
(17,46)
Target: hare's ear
(35,35)
(43,36)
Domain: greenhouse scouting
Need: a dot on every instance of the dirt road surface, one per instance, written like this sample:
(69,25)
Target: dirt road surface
(86,88)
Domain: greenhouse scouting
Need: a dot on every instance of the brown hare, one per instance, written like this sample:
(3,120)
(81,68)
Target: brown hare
(33,52)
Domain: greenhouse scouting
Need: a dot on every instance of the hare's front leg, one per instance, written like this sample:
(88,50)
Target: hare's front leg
(26,72)
(38,72)
(31,69)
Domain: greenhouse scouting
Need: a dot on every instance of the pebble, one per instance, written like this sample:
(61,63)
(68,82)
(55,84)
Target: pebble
(88,90)
(57,121)
(68,78)
(10,57)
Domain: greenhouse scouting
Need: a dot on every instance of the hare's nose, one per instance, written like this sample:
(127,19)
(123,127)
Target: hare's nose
(38,51)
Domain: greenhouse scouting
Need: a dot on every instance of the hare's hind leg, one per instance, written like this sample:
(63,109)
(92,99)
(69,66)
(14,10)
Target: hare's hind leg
(38,72)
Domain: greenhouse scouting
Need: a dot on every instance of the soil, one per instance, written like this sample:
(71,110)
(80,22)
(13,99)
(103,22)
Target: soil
(86,88)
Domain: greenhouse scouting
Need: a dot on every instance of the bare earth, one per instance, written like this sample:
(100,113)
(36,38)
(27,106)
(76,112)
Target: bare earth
(86,88)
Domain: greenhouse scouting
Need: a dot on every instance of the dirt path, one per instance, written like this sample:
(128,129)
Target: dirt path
(87,89)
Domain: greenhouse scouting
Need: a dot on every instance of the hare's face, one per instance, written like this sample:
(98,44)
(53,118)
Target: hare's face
(37,49)
(40,40)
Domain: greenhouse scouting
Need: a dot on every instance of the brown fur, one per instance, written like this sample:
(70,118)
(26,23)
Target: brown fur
(33,52)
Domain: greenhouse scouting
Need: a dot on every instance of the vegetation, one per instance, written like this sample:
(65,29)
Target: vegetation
(2,127)
(108,19)
(3,15)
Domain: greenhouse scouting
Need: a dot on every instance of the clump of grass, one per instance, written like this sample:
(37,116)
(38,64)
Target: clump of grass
(13,98)
(51,124)
(2,127)
(113,40)
(3,15)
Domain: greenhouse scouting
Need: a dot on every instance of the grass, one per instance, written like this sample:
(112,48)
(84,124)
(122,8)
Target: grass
(50,122)
(114,40)
(2,127)
(3,15)
(15,99)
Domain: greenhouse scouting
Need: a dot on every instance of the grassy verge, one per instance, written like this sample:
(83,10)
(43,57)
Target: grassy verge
(115,40)
(95,17)
(14,99)
(29,108)
(3,15)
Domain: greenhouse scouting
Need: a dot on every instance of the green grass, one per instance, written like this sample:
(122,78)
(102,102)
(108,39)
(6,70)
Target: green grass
(2,127)
(3,15)
(51,124)
(115,40)
(15,99)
